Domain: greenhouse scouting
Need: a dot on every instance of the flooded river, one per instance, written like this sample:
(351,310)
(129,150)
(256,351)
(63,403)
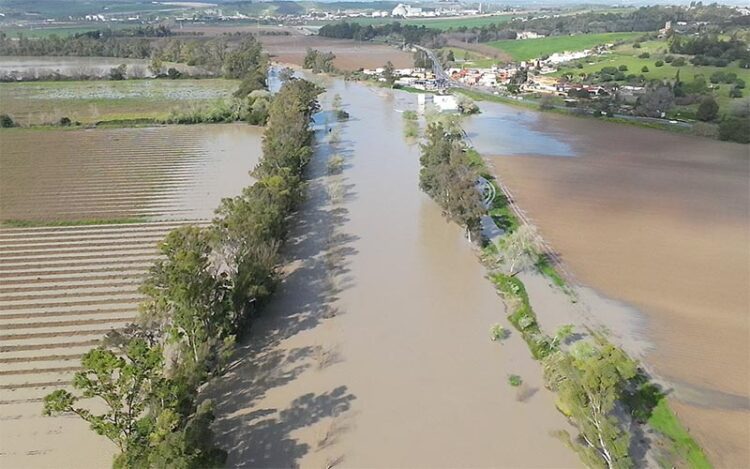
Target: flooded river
(659,221)
(375,352)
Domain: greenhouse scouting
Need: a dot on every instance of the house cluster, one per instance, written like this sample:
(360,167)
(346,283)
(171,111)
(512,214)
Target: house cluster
(561,87)
(419,78)
(484,77)
(499,76)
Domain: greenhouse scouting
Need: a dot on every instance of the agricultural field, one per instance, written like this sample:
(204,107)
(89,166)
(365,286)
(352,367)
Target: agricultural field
(532,48)
(43,102)
(82,214)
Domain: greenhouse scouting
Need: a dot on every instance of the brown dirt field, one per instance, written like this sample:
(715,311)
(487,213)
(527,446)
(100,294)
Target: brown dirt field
(662,222)
(350,55)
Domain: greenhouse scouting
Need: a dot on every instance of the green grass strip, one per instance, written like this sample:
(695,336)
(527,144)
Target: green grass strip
(664,421)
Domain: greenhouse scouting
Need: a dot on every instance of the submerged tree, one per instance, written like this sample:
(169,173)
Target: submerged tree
(389,73)
(186,297)
(447,177)
(521,249)
(125,380)
(590,379)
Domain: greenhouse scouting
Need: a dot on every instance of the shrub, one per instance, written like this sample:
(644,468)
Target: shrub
(735,92)
(669,58)
(644,69)
(6,121)
(678,62)
(644,55)
(335,164)
(545,104)
(498,332)
(117,73)
(735,129)
(410,115)
(636,45)
(342,115)
(579,65)
(708,109)
(739,83)
(515,380)
(705,129)
(659,63)
(623,68)
(173,73)
(65,121)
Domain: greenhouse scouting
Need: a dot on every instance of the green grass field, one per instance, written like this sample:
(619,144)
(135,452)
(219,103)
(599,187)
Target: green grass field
(57,30)
(470,58)
(439,23)
(666,71)
(627,55)
(532,48)
(36,103)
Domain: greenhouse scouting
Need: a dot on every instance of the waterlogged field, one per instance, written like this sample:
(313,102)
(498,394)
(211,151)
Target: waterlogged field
(83,212)
(173,172)
(531,48)
(44,102)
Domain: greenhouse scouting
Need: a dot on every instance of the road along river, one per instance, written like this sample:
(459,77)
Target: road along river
(375,351)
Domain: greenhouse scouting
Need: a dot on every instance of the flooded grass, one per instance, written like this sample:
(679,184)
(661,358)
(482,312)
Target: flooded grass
(35,103)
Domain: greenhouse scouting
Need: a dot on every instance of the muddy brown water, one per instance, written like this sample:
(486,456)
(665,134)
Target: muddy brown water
(660,221)
(375,351)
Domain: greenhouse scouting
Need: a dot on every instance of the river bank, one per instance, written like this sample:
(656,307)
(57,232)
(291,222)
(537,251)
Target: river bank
(656,220)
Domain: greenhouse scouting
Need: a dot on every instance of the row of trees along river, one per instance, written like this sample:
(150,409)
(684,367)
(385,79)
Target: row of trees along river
(200,295)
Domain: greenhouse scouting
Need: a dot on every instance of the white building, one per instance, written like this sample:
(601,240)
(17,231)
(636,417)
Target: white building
(406,11)
(528,35)
(558,58)
(442,102)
